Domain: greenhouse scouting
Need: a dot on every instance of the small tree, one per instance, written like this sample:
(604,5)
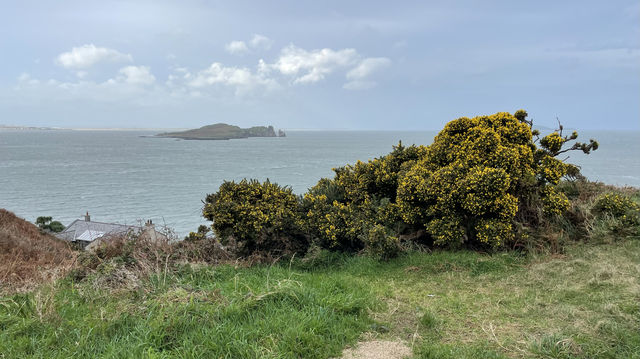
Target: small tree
(47,224)
(201,234)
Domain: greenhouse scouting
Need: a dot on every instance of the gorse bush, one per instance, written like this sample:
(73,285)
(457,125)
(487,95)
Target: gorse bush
(623,210)
(467,186)
(615,204)
(484,181)
(341,211)
(253,217)
(597,213)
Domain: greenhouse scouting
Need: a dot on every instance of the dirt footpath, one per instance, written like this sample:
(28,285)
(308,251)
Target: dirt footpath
(378,349)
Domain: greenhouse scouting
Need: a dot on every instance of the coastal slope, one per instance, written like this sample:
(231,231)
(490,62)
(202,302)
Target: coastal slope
(221,131)
(29,256)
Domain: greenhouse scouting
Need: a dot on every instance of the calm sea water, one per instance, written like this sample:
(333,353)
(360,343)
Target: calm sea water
(121,177)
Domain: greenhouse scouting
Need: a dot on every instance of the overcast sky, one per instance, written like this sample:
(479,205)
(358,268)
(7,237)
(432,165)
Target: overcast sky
(318,64)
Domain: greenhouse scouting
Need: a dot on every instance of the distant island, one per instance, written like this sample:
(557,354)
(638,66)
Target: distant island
(223,131)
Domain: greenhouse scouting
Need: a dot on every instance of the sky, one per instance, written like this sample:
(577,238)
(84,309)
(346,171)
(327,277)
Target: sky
(368,65)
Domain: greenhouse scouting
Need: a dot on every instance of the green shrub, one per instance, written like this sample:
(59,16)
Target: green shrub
(47,224)
(256,218)
(380,243)
(615,204)
(619,212)
(597,212)
(340,211)
(201,234)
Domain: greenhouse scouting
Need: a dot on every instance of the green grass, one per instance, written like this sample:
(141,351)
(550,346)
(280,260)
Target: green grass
(199,312)
(584,304)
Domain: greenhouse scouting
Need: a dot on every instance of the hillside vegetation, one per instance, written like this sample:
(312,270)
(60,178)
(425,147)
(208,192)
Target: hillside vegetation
(29,256)
(221,131)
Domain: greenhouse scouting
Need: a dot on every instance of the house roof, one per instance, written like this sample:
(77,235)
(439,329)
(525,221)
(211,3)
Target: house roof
(89,230)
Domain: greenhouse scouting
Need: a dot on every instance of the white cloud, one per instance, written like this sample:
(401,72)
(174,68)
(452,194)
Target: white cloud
(237,48)
(359,74)
(114,91)
(88,55)
(133,83)
(217,73)
(257,42)
(312,66)
(263,67)
(242,79)
(368,66)
(136,75)
(261,42)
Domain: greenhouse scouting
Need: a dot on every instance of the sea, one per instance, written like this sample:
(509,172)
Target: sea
(126,177)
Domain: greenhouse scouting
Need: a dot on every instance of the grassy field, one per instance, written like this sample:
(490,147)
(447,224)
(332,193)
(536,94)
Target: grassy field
(582,304)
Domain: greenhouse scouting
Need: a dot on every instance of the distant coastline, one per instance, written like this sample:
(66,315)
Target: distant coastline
(44,128)
(27,128)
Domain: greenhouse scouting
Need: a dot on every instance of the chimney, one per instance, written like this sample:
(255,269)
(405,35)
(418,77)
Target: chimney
(150,229)
(87,218)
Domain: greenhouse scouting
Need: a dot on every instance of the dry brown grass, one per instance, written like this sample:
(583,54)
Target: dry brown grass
(123,262)
(29,257)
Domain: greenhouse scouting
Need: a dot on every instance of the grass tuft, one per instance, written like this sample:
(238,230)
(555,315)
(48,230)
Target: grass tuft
(428,320)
